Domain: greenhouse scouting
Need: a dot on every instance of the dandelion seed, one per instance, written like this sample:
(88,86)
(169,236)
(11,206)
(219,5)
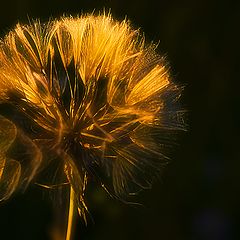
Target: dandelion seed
(91,94)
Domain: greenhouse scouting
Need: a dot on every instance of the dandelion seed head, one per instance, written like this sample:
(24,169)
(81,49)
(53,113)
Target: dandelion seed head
(102,99)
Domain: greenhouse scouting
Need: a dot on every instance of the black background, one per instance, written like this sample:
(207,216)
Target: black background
(198,195)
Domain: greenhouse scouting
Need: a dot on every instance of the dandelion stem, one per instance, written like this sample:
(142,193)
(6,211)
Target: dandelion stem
(71,215)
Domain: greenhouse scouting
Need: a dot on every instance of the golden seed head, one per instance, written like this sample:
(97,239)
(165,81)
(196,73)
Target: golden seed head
(99,95)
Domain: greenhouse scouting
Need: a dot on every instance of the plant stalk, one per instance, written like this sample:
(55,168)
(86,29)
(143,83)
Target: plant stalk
(71,215)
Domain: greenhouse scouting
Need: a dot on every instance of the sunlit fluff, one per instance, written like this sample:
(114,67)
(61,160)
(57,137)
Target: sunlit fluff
(89,93)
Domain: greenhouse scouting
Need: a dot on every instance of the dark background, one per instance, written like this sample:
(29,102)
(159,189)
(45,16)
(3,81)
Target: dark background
(198,195)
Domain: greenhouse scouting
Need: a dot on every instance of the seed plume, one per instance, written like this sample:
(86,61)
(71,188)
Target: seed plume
(89,93)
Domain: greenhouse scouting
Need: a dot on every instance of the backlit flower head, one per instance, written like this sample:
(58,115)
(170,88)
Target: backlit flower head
(91,94)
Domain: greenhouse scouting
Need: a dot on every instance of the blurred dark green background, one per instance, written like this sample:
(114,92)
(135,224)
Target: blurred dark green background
(198,195)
